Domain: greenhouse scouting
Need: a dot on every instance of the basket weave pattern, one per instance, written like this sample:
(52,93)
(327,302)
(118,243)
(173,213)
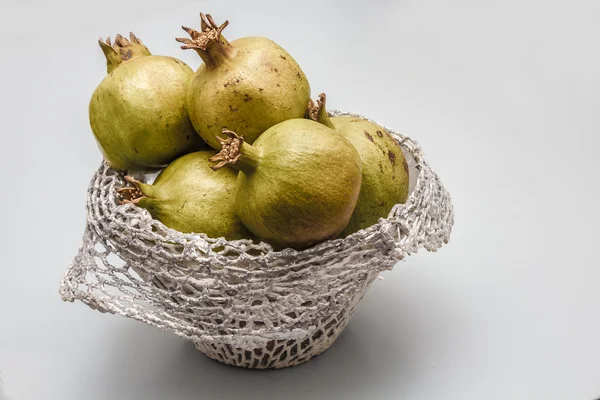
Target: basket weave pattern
(241,302)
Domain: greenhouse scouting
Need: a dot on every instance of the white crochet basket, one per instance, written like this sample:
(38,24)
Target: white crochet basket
(241,302)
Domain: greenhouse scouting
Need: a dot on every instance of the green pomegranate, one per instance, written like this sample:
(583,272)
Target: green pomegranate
(384,168)
(298,185)
(189,197)
(137,113)
(247,85)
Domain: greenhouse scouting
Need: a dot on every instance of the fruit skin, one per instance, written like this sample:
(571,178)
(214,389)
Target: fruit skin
(190,197)
(247,85)
(299,182)
(137,113)
(384,168)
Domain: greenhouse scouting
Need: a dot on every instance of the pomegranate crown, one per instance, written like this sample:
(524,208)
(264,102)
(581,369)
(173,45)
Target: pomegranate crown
(230,149)
(122,50)
(209,32)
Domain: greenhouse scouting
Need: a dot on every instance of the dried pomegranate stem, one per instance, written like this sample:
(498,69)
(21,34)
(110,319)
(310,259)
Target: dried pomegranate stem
(209,43)
(235,153)
(318,112)
(131,194)
(122,50)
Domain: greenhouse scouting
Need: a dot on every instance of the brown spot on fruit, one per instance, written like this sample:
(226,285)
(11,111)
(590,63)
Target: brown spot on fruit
(260,89)
(278,85)
(405,164)
(135,149)
(392,157)
(282,56)
(380,166)
(232,108)
(247,98)
(380,134)
(368,135)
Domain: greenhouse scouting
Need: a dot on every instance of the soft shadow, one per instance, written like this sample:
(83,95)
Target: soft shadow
(146,363)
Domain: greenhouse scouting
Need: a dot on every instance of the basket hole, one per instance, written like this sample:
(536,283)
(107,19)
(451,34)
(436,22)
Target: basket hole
(304,344)
(222,332)
(218,321)
(257,303)
(265,360)
(294,350)
(258,352)
(278,350)
(258,324)
(218,249)
(239,358)
(242,324)
(248,355)
(256,361)
(270,345)
(115,260)
(283,356)
(291,315)
(99,263)
(317,335)
(330,324)
(271,299)
(254,252)
(306,304)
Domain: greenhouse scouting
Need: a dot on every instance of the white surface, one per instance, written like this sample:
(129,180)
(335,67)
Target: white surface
(503,97)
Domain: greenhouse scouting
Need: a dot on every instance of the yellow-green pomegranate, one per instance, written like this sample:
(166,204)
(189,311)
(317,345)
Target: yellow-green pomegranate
(298,185)
(137,113)
(384,168)
(247,85)
(190,197)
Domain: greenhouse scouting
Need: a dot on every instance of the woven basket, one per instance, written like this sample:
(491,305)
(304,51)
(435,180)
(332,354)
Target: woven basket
(241,302)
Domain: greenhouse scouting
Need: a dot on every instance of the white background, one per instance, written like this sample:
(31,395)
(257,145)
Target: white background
(502,96)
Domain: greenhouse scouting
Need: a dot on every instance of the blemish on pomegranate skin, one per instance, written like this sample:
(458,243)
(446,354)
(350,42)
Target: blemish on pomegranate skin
(392,157)
(282,56)
(380,134)
(232,108)
(405,165)
(368,135)
(380,167)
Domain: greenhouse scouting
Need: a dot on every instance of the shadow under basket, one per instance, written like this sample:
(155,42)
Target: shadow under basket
(241,302)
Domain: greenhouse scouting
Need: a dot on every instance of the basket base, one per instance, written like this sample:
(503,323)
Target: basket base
(277,354)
